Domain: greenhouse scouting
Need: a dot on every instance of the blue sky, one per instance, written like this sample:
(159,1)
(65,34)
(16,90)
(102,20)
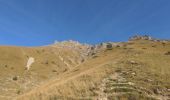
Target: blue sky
(41,22)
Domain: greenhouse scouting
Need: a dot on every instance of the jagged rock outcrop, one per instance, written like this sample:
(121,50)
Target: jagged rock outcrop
(106,46)
(83,49)
(138,37)
(147,37)
(86,50)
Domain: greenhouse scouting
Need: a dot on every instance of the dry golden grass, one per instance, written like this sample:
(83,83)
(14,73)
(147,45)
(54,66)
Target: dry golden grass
(47,66)
(140,62)
(77,82)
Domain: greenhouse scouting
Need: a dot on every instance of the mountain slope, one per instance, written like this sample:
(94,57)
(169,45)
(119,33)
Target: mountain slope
(49,62)
(133,70)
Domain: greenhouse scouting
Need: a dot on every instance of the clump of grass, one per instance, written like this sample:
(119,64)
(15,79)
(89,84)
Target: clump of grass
(153,45)
(144,48)
(54,70)
(6,66)
(53,62)
(95,56)
(43,50)
(65,70)
(38,51)
(53,97)
(167,53)
(130,96)
(46,62)
(118,46)
(119,89)
(82,60)
(18,92)
(109,48)
(15,78)
(12,68)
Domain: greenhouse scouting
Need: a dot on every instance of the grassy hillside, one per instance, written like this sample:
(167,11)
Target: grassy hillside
(49,63)
(138,70)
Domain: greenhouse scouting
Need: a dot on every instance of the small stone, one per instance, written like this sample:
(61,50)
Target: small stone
(130,83)
(133,73)
(168,90)
(149,80)
(133,62)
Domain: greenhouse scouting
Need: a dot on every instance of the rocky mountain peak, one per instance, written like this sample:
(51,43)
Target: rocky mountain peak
(140,37)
